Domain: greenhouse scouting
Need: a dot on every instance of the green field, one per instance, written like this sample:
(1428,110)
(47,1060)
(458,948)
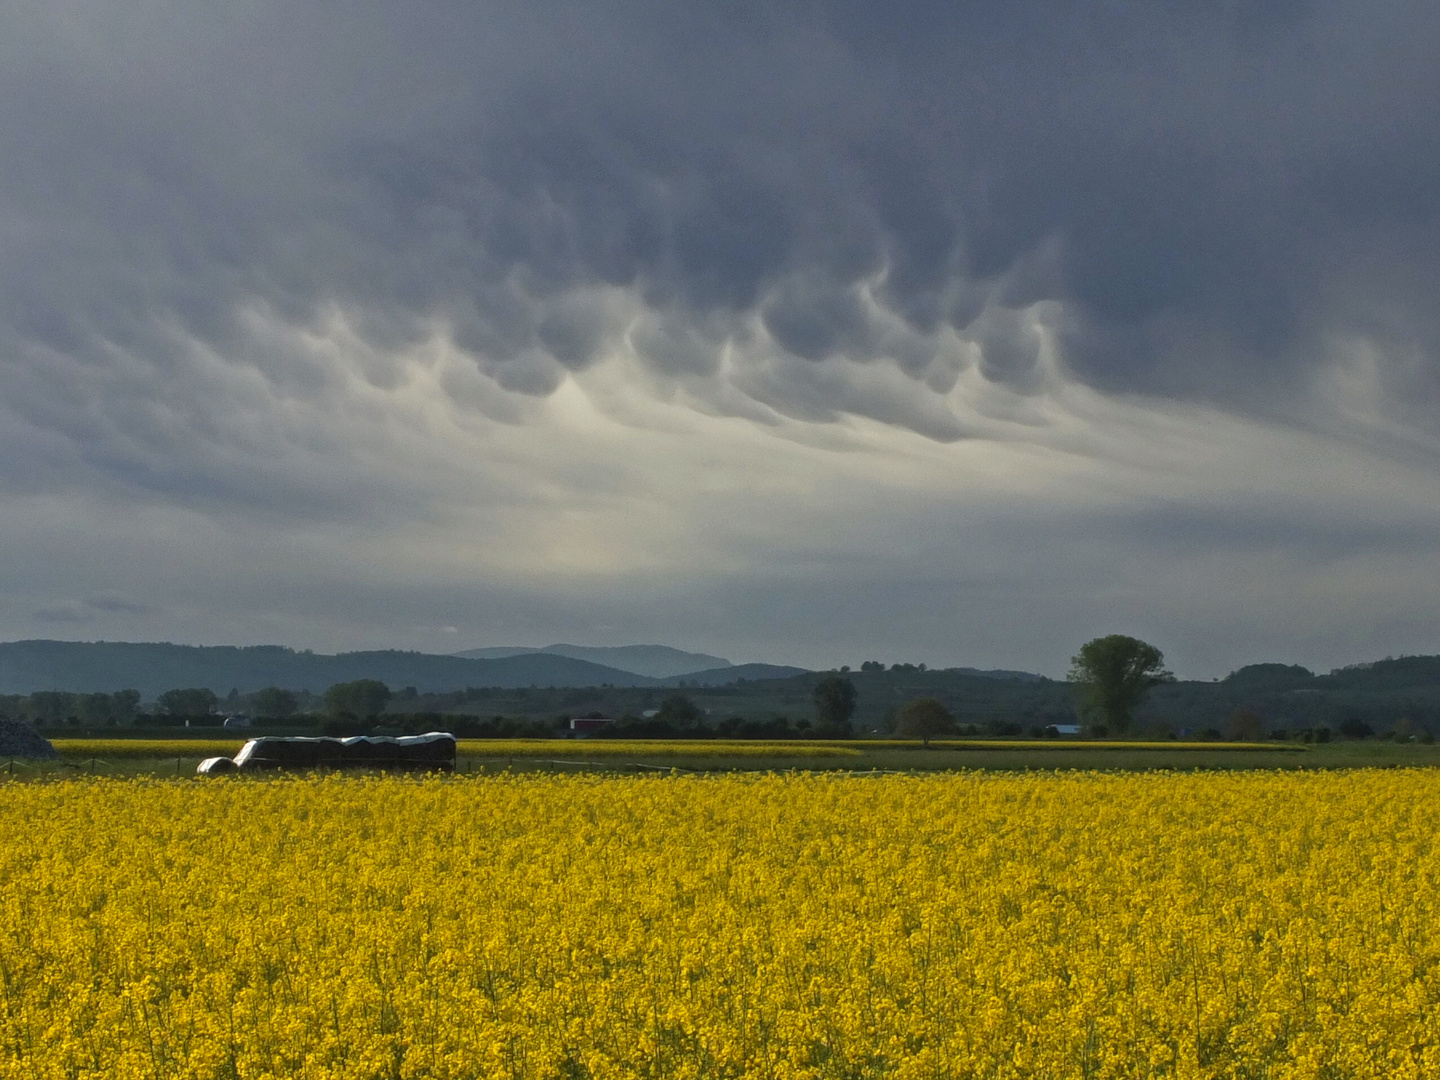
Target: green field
(179,757)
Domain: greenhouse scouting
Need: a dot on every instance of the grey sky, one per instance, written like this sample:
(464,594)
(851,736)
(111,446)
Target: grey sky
(800,332)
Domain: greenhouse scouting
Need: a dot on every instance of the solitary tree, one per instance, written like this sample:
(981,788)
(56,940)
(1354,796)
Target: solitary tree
(127,702)
(1113,674)
(923,718)
(363,699)
(273,703)
(96,709)
(834,704)
(679,710)
(192,701)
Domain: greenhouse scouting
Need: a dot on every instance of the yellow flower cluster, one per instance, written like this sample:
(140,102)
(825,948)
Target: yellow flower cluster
(967,925)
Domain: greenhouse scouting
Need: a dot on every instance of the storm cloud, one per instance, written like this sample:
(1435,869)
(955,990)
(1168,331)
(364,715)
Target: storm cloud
(315,271)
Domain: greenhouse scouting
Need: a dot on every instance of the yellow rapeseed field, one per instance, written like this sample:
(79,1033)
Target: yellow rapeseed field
(969,925)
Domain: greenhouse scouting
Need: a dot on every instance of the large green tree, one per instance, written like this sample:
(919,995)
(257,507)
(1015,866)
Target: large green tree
(834,705)
(679,710)
(363,699)
(190,701)
(923,718)
(1113,674)
(273,703)
(127,702)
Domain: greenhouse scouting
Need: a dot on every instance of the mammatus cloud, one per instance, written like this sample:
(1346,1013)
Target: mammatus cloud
(546,307)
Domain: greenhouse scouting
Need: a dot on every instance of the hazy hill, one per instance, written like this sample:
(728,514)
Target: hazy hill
(1392,673)
(152,668)
(656,661)
(1271,677)
(1285,696)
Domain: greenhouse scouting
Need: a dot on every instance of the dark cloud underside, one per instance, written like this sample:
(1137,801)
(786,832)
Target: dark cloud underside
(1196,184)
(228,233)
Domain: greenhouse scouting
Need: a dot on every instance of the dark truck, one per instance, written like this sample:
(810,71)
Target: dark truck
(432,752)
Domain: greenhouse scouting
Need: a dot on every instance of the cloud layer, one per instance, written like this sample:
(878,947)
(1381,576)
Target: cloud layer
(435,317)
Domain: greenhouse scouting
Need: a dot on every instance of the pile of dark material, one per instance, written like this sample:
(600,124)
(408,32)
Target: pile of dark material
(19,740)
(433,752)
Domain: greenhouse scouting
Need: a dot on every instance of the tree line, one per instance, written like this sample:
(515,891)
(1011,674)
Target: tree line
(1110,679)
(123,708)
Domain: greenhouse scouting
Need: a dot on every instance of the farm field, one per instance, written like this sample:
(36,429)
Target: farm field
(178,757)
(978,924)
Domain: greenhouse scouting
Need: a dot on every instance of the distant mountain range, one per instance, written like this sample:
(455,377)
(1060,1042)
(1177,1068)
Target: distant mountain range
(655,661)
(1383,695)
(153,668)
(735,673)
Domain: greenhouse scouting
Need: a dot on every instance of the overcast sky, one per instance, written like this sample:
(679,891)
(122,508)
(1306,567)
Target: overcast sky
(803,332)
